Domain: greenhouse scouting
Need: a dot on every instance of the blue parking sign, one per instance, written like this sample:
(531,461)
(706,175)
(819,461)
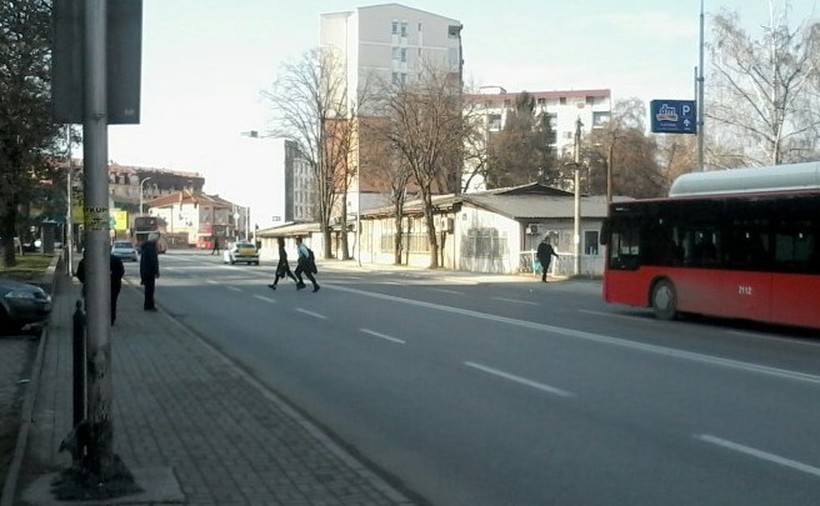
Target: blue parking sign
(673,116)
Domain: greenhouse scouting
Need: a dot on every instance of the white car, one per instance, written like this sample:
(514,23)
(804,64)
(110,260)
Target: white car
(125,250)
(241,251)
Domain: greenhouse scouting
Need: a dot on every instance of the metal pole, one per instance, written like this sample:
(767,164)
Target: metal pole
(700,94)
(609,172)
(96,218)
(69,218)
(577,218)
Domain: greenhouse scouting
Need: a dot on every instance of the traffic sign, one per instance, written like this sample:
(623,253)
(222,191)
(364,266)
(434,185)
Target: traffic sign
(674,116)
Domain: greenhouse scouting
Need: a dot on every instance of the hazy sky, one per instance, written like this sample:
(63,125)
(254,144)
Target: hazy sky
(204,62)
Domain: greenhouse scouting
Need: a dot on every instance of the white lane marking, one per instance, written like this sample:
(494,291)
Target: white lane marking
(516,301)
(266,299)
(233,288)
(598,338)
(382,336)
(771,457)
(212,282)
(311,313)
(813,344)
(615,315)
(444,290)
(518,379)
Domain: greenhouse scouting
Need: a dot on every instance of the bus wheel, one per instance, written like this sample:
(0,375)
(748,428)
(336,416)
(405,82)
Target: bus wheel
(664,300)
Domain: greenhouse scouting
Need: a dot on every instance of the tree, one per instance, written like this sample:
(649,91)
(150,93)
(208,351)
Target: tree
(427,129)
(521,153)
(388,171)
(631,155)
(312,106)
(27,135)
(764,92)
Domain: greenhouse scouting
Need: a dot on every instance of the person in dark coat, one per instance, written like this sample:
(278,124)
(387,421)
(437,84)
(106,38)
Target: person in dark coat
(149,271)
(544,254)
(282,268)
(117,273)
(306,265)
(215,250)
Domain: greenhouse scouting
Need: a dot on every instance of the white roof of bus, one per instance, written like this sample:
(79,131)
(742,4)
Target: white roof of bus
(797,176)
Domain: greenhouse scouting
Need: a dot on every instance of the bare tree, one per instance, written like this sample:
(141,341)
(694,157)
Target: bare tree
(624,149)
(764,92)
(312,106)
(427,128)
(387,170)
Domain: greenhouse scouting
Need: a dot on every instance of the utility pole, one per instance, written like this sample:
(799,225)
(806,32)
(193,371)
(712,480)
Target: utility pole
(97,268)
(700,94)
(576,239)
(69,215)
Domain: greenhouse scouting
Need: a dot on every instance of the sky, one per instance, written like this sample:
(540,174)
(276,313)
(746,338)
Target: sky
(205,62)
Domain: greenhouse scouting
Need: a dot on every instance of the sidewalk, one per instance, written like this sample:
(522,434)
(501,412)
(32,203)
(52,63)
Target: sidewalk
(189,423)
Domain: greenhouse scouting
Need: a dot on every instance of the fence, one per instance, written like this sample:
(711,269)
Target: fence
(564,265)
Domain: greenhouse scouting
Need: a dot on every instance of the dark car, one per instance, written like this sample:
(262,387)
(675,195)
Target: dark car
(21,304)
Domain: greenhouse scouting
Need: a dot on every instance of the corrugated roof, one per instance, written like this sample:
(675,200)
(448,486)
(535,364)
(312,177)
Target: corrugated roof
(539,206)
(291,229)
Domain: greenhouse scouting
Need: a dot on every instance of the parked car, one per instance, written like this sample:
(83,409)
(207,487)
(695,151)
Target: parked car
(241,251)
(125,250)
(21,304)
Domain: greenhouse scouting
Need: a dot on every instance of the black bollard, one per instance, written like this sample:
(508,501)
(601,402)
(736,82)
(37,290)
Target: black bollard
(79,364)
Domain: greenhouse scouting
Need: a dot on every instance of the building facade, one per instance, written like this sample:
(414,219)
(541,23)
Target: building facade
(562,108)
(381,46)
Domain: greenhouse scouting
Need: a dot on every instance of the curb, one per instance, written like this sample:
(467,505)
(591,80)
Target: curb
(10,485)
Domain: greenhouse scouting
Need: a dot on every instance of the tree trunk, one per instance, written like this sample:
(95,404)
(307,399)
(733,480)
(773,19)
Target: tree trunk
(397,238)
(431,228)
(345,245)
(8,220)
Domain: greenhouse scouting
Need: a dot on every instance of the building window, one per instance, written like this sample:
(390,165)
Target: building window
(453,31)
(562,100)
(403,54)
(419,27)
(494,122)
(590,242)
(396,78)
(600,118)
(403,78)
(395,27)
(404,29)
(396,53)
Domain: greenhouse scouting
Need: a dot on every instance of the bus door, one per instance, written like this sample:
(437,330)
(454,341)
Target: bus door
(747,282)
(796,276)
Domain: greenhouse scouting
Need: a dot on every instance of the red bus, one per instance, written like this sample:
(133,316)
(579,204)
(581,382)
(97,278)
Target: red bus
(739,244)
(146,225)
(208,233)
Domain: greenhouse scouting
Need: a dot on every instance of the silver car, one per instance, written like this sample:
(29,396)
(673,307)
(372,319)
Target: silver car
(21,304)
(125,251)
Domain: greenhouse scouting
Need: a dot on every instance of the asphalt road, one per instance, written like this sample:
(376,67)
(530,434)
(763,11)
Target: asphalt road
(475,391)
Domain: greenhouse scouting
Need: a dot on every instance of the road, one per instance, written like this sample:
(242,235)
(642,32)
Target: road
(477,391)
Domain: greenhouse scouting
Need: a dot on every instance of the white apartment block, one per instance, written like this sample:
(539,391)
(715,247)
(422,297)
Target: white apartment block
(564,108)
(388,45)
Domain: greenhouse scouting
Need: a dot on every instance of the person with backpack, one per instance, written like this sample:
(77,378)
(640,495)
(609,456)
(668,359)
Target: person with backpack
(282,268)
(306,264)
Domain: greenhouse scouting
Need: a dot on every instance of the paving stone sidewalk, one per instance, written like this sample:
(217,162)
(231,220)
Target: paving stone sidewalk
(179,403)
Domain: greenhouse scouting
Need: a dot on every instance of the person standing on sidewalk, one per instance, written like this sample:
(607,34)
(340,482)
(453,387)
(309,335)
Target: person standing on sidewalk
(282,268)
(117,273)
(215,250)
(544,254)
(306,264)
(149,271)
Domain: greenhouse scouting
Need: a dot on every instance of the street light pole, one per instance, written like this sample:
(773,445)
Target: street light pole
(577,218)
(141,192)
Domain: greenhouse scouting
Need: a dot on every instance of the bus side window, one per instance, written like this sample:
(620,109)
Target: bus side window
(624,250)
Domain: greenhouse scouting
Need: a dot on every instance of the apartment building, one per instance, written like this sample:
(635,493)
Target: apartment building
(387,45)
(563,108)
